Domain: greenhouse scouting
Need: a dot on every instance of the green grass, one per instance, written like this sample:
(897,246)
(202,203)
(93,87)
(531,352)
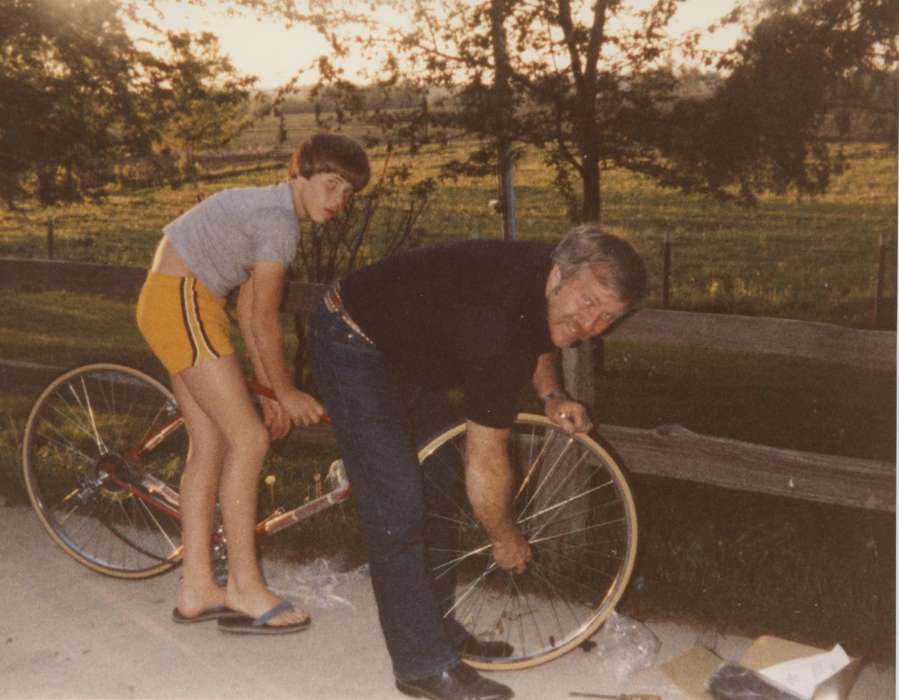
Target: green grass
(749,564)
(64,329)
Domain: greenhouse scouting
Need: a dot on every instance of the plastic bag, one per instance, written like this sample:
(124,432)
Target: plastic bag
(312,583)
(625,647)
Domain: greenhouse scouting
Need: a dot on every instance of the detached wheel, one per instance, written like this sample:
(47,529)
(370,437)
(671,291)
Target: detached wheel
(574,506)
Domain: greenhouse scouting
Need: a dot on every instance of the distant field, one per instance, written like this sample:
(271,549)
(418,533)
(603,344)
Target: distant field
(813,259)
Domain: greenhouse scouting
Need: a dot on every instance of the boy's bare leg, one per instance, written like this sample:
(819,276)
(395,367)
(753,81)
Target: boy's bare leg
(219,390)
(199,590)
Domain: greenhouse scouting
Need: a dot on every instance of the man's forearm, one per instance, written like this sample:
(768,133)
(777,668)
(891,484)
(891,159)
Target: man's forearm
(568,414)
(490,484)
(488,479)
(546,374)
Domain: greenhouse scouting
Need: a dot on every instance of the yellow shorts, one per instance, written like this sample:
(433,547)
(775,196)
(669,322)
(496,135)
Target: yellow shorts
(182,321)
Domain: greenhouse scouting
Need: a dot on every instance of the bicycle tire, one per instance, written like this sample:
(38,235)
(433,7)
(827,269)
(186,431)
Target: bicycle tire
(86,420)
(575,508)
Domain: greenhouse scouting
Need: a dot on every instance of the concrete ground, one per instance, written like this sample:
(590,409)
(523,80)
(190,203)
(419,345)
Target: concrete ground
(67,632)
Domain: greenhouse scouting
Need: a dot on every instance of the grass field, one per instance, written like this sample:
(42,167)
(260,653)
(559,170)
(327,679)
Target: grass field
(733,561)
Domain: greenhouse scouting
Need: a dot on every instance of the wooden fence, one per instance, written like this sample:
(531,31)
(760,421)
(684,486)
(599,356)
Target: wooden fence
(670,451)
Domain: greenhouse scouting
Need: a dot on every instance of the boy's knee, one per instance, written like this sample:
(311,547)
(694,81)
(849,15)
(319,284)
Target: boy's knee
(252,443)
(207,451)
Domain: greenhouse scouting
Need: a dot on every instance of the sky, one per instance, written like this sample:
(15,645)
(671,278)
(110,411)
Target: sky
(267,49)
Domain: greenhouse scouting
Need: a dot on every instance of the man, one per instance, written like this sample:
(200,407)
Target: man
(387,342)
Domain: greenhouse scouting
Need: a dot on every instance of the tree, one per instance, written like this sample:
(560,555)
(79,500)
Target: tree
(65,78)
(201,98)
(762,127)
(79,97)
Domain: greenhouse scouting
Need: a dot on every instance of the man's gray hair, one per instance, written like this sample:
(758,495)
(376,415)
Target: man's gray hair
(610,257)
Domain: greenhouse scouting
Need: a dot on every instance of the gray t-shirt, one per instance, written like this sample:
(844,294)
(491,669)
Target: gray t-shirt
(223,236)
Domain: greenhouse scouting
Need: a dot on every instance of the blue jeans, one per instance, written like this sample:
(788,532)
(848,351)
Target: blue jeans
(379,420)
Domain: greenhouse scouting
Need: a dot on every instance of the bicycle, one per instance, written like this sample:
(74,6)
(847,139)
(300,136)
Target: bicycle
(102,455)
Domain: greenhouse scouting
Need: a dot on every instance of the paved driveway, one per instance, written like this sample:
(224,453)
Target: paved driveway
(67,632)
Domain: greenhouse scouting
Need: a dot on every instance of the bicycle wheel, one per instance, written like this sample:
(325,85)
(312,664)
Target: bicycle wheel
(87,432)
(575,508)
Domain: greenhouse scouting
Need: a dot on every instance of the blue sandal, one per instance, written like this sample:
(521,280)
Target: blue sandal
(244,624)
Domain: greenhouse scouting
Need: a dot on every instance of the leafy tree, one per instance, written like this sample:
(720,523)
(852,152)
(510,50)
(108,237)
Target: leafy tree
(200,97)
(761,130)
(65,78)
(80,98)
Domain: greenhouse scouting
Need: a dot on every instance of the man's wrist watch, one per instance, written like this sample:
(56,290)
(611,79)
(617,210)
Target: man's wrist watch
(559,394)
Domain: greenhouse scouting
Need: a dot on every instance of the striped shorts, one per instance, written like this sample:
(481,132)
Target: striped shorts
(182,321)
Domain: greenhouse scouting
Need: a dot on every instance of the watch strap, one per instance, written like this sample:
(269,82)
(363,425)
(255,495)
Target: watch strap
(559,394)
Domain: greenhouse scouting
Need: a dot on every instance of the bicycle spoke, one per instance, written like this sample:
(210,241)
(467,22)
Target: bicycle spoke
(545,478)
(561,504)
(161,530)
(588,528)
(447,565)
(468,591)
(89,413)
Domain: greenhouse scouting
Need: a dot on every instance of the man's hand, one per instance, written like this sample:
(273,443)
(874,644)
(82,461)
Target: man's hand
(300,407)
(512,552)
(570,416)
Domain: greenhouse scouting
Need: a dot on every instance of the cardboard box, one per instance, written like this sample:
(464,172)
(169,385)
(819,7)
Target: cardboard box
(693,668)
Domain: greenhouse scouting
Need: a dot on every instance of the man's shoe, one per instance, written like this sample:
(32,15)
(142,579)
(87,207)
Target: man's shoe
(472,646)
(460,682)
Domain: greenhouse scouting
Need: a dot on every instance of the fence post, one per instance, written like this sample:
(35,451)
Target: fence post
(577,373)
(50,225)
(878,293)
(666,269)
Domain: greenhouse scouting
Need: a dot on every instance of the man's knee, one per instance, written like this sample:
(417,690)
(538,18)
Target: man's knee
(397,531)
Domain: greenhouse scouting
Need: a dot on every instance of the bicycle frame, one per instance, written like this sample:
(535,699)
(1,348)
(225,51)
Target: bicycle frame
(157,494)
(279,520)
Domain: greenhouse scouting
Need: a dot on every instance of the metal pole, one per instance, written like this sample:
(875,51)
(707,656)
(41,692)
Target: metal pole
(577,373)
(666,270)
(510,228)
(50,225)
(878,293)
(503,115)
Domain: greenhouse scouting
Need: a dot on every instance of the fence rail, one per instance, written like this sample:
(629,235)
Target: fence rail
(669,451)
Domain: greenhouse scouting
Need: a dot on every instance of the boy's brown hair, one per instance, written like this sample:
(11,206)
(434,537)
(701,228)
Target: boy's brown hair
(325,152)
